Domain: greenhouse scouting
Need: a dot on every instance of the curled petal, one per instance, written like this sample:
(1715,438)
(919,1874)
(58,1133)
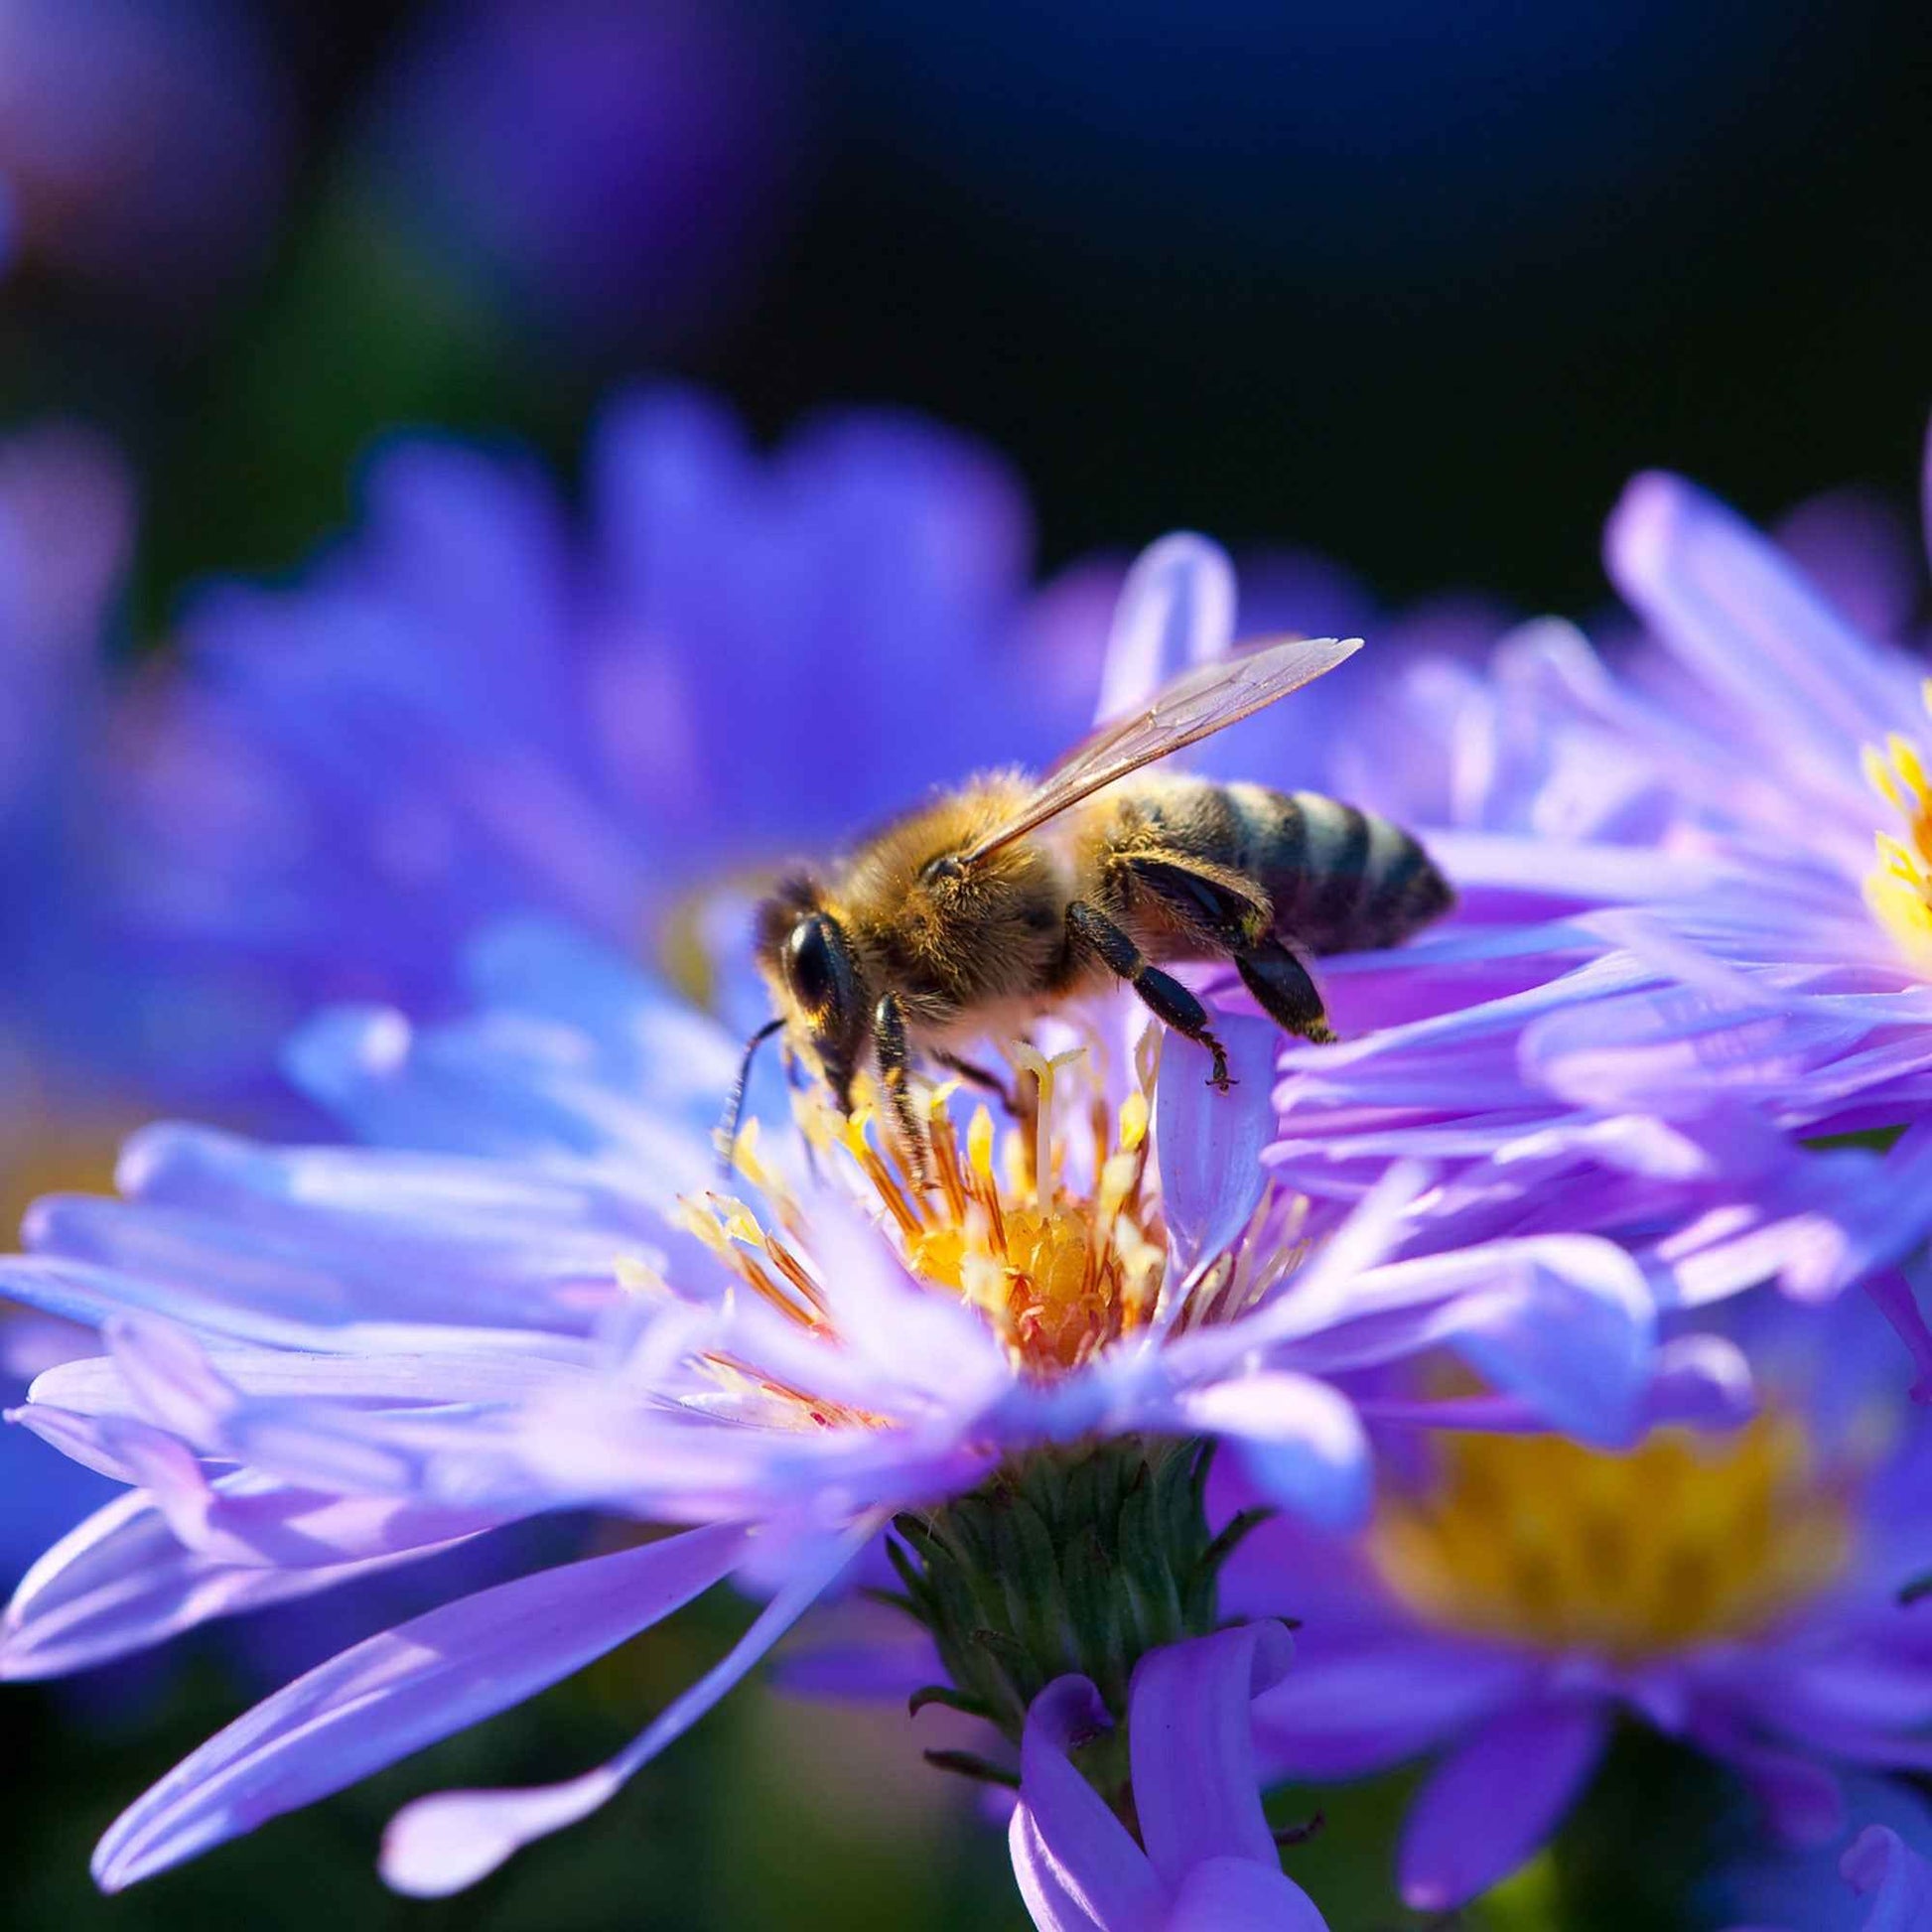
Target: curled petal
(1051,1902)
(1076,1853)
(1238,1896)
(1175,610)
(1193,1746)
(1881,1867)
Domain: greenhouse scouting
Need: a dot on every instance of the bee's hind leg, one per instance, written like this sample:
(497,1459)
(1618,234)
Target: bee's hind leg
(1281,983)
(1237,923)
(1091,931)
(894,1064)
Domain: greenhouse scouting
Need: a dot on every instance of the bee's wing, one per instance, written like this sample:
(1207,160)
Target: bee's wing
(1194,705)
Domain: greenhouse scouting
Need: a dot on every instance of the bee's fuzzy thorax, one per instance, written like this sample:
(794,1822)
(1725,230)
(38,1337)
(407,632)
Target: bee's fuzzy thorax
(948,940)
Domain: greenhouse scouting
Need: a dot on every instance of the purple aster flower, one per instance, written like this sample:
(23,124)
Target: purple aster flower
(326,1362)
(1512,1598)
(1689,907)
(619,171)
(1209,1863)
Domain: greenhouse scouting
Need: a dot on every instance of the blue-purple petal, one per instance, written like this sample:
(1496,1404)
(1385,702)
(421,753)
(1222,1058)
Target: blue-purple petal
(1488,1805)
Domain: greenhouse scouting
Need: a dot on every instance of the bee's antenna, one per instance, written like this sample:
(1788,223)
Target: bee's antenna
(735,1106)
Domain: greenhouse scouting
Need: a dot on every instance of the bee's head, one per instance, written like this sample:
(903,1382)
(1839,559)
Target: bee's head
(809,963)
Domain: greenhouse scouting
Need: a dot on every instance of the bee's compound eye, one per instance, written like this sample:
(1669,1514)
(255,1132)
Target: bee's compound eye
(808,963)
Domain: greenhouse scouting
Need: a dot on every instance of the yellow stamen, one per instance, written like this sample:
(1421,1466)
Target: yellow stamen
(732,1232)
(1878,775)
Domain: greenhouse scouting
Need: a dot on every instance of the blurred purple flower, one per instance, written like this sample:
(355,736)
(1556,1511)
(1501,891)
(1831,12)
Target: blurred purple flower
(474,708)
(620,170)
(1209,1863)
(1512,1598)
(99,1025)
(142,143)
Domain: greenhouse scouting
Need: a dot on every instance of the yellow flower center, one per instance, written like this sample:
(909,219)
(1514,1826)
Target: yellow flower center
(1899,888)
(1057,1274)
(1688,1538)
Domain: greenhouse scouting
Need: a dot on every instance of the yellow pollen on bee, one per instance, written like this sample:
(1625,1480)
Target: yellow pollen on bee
(1899,889)
(1686,1538)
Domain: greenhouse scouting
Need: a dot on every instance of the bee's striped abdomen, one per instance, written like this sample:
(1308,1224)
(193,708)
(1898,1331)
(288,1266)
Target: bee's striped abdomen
(1341,880)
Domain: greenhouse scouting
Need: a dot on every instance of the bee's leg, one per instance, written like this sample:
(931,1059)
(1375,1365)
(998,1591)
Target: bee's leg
(1209,902)
(895,1060)
(979,1076)
(1286,991)
(1091,929)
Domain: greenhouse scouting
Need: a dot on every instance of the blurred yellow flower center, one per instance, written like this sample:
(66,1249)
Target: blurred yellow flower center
(1688,1538)
(1899,888)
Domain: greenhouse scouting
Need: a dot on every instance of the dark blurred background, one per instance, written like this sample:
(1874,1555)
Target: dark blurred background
(1418,284)
(1415,284)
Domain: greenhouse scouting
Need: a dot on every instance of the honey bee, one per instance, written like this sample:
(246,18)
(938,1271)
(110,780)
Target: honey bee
(970,915)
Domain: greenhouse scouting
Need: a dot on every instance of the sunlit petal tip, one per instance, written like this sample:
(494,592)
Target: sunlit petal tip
(346,1043)
(1645,522)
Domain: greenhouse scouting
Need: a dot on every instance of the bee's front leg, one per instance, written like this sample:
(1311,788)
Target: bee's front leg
(894,1059)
